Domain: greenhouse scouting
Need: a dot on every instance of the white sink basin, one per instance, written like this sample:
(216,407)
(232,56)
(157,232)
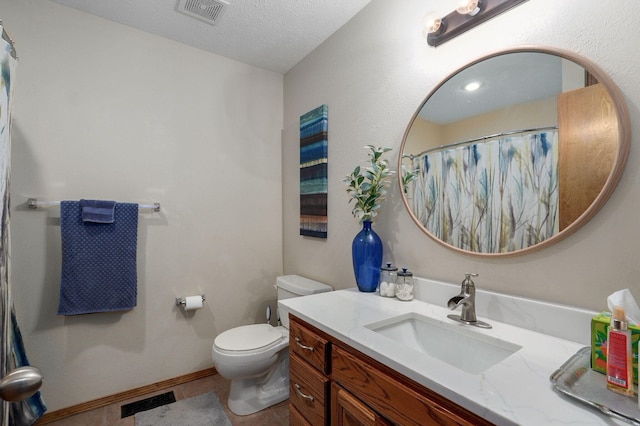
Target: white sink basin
(455,344)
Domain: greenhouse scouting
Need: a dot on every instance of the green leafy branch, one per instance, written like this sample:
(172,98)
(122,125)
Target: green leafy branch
(368,187)
(408,176)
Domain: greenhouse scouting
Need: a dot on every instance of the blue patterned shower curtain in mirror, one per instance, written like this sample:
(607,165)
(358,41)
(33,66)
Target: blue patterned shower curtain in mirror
(12,349)
(493,196)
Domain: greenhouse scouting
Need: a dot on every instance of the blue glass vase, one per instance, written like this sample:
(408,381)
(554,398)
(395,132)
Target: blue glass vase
(366,252)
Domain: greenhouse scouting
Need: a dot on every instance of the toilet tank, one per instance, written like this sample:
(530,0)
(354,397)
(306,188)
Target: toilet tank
(289,286)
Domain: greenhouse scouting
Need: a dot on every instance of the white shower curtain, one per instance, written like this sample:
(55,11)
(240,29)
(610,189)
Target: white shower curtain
(12,353)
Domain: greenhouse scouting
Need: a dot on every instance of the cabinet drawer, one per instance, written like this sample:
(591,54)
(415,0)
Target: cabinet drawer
(308,391)
(387,394)
(296,418)
(309,345)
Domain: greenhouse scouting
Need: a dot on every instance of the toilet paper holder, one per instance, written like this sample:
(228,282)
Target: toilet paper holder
(181,301)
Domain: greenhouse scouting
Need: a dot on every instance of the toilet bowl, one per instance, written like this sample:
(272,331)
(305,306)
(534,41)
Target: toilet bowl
(255,358)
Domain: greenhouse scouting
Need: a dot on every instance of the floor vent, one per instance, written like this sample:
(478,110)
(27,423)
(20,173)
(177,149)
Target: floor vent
(209,11)
(147,404)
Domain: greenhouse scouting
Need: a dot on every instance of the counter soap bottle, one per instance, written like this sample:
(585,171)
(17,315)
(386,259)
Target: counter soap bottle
(619,355)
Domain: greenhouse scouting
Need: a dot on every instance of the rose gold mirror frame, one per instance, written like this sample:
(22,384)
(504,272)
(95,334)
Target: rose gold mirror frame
(619,162)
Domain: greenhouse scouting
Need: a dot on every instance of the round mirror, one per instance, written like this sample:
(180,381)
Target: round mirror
(514,151)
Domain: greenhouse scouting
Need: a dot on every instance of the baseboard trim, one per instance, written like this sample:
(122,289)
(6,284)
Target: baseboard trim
(123,396)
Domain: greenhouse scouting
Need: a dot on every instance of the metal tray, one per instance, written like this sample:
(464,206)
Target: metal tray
(576,379)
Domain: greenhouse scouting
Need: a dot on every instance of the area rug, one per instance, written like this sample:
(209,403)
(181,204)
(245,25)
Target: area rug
(202,410)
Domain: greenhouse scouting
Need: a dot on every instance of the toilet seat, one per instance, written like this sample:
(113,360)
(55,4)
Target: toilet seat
(248,338)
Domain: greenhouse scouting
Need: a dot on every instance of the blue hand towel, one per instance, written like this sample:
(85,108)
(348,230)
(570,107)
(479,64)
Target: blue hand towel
(98,261)
(97,211)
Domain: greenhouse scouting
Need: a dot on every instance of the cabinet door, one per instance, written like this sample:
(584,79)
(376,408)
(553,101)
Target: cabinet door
(387,393)
(588,140)
(347,410)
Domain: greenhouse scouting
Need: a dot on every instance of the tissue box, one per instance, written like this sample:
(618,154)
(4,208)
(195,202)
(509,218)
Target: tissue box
(599,328)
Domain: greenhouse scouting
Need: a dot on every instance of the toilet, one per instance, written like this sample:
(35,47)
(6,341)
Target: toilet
(256,357)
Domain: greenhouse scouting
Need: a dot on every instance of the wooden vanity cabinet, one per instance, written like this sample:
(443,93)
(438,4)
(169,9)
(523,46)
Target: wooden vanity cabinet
(358,390)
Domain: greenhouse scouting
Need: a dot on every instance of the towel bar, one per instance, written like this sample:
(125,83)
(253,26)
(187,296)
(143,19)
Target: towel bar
(34,203)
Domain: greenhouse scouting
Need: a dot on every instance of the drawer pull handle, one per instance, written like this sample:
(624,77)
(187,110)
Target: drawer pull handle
(308,348)
(302,394)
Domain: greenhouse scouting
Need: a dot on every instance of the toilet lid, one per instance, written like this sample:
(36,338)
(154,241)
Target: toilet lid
(248,337)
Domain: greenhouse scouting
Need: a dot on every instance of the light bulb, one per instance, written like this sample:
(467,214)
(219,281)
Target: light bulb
(431,24)
(468,7)
(472,86)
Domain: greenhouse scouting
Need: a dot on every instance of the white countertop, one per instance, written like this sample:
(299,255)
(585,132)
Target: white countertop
(516,391)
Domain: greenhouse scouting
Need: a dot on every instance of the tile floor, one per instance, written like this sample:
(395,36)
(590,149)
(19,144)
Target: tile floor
(277,415)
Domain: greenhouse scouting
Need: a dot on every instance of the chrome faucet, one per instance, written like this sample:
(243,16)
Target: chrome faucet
(466,299)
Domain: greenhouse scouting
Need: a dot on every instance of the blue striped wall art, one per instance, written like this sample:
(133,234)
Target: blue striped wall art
(313,172)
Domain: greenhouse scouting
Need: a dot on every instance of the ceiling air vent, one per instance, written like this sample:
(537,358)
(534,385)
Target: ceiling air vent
(209,11)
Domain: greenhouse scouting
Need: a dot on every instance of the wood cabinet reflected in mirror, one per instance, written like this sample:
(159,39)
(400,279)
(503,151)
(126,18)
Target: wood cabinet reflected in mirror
(587,142)
(521,162)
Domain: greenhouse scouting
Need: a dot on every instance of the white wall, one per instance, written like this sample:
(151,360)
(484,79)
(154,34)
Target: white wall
(104,111)
(375,72)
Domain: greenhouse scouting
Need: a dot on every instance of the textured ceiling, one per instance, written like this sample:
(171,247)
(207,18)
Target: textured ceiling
(274,35)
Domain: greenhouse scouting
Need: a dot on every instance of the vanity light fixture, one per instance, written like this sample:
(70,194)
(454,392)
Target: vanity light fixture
(467,15)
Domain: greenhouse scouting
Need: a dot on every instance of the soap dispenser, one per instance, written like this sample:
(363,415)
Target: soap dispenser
(619,355)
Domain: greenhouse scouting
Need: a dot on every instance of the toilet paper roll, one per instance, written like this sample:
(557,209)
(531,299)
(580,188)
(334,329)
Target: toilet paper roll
(192,302)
